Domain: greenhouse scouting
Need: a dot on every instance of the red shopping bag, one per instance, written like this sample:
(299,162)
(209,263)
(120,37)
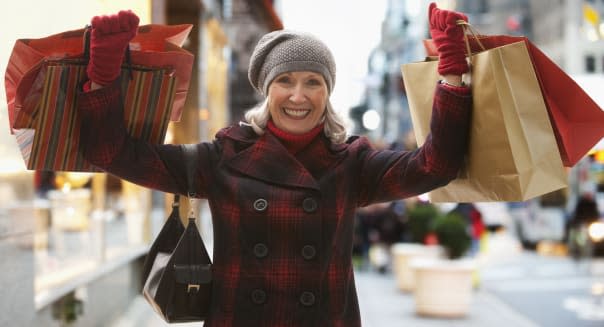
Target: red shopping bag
(53,141)
(44,77)
(155,46)
(577,120)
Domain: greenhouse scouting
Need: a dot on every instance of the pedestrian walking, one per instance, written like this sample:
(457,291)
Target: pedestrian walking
(283,185)
(576,229)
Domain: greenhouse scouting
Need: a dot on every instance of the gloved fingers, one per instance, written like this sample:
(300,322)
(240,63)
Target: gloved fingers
(98,23)
(128,20)
(103,25)
(454,32)
(124,21)
(95,21)
(441,18)
(454,16)
(435,17)
(431,12)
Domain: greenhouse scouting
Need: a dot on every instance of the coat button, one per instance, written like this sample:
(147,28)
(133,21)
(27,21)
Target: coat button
(308,252)
(258,296)
(310,205)
(260,250)
(260,205)
(307,299)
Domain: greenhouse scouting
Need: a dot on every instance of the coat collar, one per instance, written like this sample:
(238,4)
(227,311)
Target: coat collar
(264,157)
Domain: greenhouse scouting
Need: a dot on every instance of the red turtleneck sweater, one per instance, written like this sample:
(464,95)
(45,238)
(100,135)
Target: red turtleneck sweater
(294,142)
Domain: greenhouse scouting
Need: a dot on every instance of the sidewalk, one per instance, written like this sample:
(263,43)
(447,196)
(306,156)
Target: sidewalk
(382,305)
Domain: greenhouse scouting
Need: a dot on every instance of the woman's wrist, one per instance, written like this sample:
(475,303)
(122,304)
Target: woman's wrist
(453,80)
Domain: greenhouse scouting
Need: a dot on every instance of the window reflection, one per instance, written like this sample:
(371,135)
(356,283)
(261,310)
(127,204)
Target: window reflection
(85,221)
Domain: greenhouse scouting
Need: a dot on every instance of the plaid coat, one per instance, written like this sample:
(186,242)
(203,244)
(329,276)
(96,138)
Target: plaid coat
(283,225)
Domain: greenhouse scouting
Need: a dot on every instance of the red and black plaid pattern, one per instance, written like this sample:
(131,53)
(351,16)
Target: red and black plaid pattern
(283,224)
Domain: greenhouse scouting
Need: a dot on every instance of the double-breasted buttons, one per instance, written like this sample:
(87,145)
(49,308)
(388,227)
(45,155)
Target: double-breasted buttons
(258,296)
(260,204)
(307,298)
(309,252)
(260,250)
(310,205)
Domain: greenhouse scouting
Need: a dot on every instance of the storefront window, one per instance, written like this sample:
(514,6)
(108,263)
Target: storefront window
(87,222)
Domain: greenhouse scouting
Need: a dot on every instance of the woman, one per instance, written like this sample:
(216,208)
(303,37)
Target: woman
(284,185)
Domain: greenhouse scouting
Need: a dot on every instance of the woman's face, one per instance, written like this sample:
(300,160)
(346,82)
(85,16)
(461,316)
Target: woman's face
(297,100)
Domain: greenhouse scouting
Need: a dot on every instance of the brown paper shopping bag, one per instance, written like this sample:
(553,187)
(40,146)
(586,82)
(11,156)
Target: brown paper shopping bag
(577,119)
(513,155)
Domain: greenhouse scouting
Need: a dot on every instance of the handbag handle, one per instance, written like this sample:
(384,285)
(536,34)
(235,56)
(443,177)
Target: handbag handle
(191,160)
(190,151)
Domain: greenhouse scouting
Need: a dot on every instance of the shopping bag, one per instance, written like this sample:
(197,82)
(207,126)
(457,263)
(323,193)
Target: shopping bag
(53,143)
(44,75)
(158,46)
(513,155)
(577,119)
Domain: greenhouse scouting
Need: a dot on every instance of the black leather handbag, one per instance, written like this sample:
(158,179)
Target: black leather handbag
(178,270)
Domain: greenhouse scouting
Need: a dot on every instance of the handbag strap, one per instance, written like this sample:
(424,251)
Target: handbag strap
(190,159)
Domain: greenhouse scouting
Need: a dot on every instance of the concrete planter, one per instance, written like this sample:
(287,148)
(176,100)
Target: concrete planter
(443,288)
(402,254)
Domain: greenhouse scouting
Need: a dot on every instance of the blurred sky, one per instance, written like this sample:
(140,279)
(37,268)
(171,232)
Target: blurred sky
(351,29)
(23,19)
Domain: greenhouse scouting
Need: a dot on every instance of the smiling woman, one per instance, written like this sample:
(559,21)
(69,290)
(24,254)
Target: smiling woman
(296,71)
(352,34)
(297,101)
(284,185)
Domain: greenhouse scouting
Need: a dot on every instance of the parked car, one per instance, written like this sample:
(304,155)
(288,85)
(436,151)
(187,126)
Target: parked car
(534,223)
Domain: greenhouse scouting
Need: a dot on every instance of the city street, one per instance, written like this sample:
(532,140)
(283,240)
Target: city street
(550,291)
(524,290)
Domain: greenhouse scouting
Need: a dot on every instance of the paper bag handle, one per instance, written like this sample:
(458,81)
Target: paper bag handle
(86,53)
(468,27)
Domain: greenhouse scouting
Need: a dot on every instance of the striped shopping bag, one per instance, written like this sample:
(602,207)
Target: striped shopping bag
(53,143)
(42,80)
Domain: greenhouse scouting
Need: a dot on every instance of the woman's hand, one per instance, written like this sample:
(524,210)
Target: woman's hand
(109,38)
(449,40)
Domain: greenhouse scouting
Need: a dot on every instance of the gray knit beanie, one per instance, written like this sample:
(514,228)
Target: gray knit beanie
(286,51)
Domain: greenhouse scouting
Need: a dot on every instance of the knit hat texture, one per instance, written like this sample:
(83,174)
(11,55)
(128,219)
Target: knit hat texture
(285,51)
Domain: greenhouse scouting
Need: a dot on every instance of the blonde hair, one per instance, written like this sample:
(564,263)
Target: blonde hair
(334,127)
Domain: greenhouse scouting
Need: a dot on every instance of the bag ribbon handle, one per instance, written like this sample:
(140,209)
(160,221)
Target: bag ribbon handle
(86,55)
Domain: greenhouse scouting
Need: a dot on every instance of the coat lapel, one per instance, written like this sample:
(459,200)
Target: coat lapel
(268,160)
(321,155)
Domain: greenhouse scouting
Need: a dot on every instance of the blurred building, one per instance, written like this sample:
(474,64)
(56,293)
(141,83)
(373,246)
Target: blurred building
(246,21)
(570,32)
(384,115)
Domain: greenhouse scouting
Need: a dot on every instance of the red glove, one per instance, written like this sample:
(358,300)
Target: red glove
(449,40)
(109,38)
